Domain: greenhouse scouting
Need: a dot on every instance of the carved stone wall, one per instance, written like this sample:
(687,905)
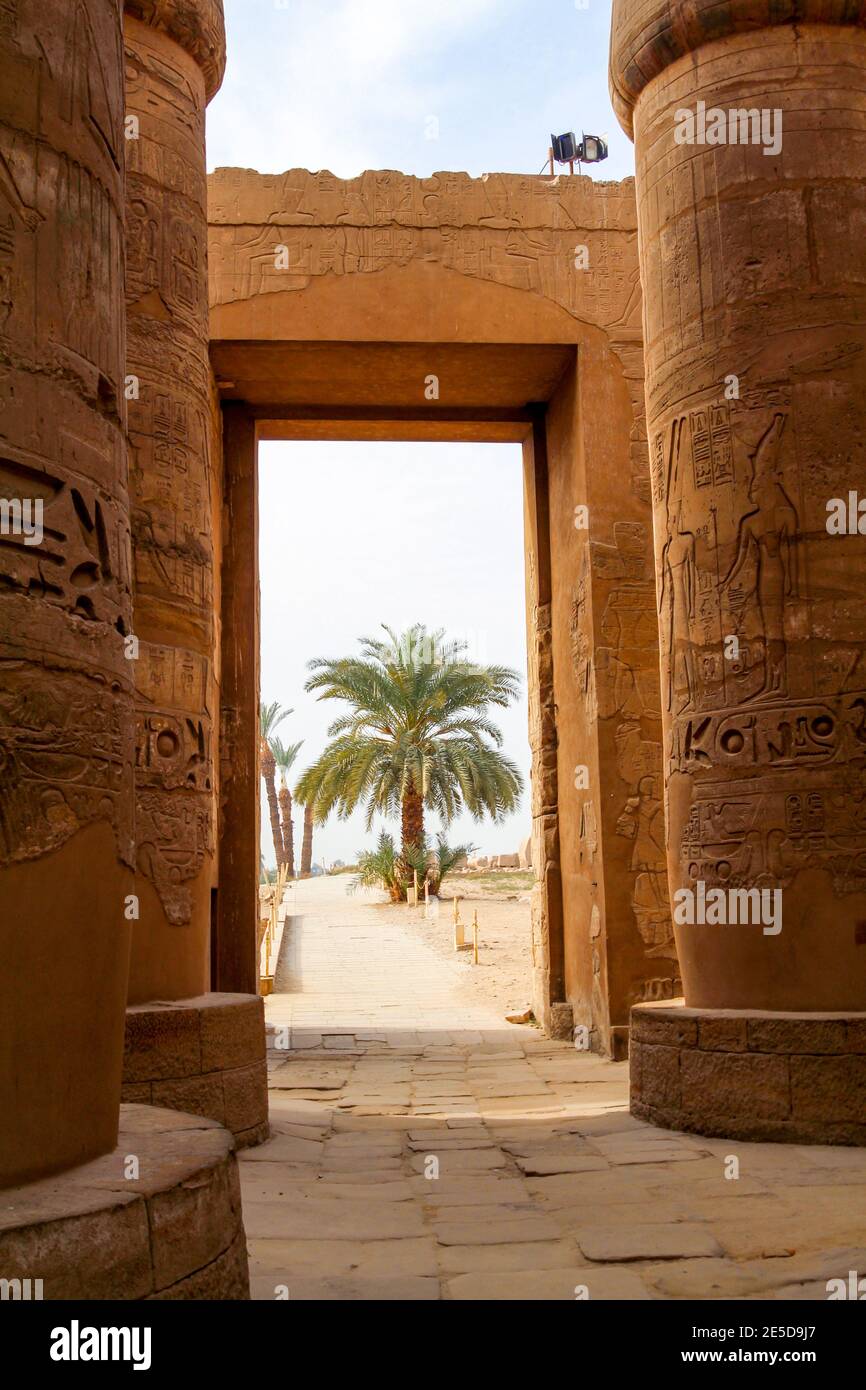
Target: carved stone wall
(752,266)
(66,721)
(508,229)
(169,74)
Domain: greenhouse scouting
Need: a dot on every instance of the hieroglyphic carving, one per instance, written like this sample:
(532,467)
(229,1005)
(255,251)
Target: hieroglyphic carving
(66,733)
(513,230)
(744,695)
(642,822)
(65,757)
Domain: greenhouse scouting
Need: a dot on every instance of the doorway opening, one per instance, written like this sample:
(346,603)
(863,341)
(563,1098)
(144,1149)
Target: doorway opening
(417,546)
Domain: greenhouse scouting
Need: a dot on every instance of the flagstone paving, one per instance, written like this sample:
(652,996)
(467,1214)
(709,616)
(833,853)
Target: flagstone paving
(423,1149)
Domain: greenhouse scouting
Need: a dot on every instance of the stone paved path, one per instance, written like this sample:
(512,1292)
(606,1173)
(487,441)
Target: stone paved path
(424,1149)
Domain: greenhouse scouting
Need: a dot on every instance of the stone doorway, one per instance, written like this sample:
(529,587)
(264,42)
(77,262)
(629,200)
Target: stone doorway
(505,309)
(240,829)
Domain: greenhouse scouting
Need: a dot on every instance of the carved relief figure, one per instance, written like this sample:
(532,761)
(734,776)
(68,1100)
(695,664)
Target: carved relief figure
(767,536)
(643,822)
(678,589)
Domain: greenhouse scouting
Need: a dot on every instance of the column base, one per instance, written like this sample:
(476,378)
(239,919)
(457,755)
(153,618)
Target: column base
(175,1232)
(748,1074)
(204,1056)
(555,1016)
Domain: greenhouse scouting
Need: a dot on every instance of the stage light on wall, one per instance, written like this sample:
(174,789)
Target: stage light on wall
(592,149)
(564,149)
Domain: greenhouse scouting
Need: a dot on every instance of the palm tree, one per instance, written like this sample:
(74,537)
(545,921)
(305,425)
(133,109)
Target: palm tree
(270,716)
(416,734)
(307,845)
(284,757)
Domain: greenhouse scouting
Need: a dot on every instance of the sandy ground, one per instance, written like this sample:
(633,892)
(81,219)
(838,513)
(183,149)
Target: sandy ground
(503,973)
(502,978)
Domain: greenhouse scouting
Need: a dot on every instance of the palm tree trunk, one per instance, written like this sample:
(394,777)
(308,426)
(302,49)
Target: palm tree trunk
(288,830)
(412,833)
(307,846)
(269,768)
(413,818)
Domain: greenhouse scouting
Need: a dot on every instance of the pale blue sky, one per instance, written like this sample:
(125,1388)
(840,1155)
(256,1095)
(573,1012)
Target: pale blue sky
(356,535)
(348,85)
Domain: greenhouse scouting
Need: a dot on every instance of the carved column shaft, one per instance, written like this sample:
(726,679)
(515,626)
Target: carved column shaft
(66,722)
(751,156)
(173,65)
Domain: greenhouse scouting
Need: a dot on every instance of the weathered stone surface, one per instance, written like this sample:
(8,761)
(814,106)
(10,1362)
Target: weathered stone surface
(333,1220)
(656,1072)
(312,1259)
(545,1164)
(829,1089)
(808,1086)
(81,1244)
(723,1034)
(720,1081)
(246,1096)
(225,1279)
(206,1055)
(199,1095)
(668,1242)
(797,1035)
(195,1222)
(232,1031)
(162,1042)
(664,1027)
(97,1233)
(532,1284)
(496,1230)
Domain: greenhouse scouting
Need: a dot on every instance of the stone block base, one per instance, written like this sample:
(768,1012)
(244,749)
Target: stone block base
(174,1231)
(205,1056)
(791,1078)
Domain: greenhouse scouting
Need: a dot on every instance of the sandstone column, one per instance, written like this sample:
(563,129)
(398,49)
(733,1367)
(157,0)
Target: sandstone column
(173,66)
(178,1054)
(748,121)
(66,725)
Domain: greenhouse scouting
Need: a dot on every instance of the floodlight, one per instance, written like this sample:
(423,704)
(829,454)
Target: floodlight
(592,149)
(565,147)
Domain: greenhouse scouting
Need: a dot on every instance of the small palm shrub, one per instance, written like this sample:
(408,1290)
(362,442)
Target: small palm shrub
(381,868)
(434,863)
(384,867)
